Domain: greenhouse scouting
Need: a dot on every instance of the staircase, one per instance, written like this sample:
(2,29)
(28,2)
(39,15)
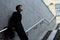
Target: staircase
(53,34)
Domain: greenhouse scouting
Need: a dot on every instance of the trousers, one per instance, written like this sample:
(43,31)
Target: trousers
(21,33)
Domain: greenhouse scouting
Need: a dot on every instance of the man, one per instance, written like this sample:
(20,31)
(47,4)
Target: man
(15,22)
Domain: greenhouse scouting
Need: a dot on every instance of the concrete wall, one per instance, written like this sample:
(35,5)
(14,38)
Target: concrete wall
(33,11)
(38,32)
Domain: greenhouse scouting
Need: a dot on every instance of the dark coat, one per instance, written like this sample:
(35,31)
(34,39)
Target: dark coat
(15,19)
(15,22)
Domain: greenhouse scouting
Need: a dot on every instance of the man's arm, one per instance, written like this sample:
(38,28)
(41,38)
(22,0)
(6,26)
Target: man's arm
(12,19)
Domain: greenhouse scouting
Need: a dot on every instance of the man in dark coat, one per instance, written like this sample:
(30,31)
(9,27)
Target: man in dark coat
(15,22)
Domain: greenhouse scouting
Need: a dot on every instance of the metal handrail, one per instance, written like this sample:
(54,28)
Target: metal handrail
(50,11)
(34,25)
(37,22)
(26,30)
(51,19)
(40,22)
(3,30)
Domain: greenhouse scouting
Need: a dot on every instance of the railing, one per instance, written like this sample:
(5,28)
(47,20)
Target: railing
(43,19)
(51,19)
(37,22)
(3,30)
(26,30)
(35,25)
(40,22)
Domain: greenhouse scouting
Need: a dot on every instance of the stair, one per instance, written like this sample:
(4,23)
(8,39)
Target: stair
(57,36)
(52,35)
(47,34)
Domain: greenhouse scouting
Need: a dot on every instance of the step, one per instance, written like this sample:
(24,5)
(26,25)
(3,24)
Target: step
(50,35)
(57,36)
(47,35)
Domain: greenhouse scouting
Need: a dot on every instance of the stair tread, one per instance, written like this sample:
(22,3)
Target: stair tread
(57,36)
(47,35)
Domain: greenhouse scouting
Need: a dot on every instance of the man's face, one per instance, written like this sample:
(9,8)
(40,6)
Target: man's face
(20,8)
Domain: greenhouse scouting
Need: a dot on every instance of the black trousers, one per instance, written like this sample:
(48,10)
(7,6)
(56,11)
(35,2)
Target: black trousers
(21,33)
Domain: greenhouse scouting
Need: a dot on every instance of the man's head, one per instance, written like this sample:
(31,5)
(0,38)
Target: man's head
(19,7)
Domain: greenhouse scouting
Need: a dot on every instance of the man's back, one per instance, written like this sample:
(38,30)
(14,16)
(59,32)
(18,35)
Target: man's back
(15,19)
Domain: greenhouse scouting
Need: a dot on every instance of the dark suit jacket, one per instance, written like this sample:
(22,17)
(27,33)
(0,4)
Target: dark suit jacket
(14,21)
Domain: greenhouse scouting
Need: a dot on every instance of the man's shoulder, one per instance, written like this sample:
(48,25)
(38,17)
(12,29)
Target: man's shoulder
(14,12)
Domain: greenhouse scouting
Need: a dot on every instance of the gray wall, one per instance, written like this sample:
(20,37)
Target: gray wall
(33,11)
(40,30)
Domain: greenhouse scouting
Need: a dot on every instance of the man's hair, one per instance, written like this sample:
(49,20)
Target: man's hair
(17,6)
